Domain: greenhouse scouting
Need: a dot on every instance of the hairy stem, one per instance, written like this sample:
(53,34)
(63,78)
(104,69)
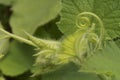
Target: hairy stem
(18,38)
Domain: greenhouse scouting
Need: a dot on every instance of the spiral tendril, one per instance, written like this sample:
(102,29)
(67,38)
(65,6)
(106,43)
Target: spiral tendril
(79,25)
(84,22)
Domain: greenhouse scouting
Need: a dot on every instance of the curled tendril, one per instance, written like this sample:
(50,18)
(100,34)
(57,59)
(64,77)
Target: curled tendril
(84,22)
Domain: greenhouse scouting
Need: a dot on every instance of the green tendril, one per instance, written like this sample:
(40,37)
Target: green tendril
(83,22)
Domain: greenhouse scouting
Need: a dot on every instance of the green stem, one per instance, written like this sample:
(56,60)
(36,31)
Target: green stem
(18,38)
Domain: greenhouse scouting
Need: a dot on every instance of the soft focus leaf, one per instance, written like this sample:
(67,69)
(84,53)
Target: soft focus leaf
(25,76)
(18,60)
(4,44)
(7,2)
(105,61)
(69,72)
(28,14)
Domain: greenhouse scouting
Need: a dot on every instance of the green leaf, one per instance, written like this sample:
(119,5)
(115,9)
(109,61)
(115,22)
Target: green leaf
(4,44)
(69,72)
(18,60)
(108,11)
(7,2)
(26,76)
(28,14)
(104,62)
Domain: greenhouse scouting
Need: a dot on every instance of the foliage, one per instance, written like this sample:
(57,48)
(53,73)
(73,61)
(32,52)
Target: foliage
(59,39)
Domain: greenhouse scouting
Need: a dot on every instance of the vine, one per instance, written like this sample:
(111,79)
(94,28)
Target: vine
(75,47)
(85,39)
(83,22)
